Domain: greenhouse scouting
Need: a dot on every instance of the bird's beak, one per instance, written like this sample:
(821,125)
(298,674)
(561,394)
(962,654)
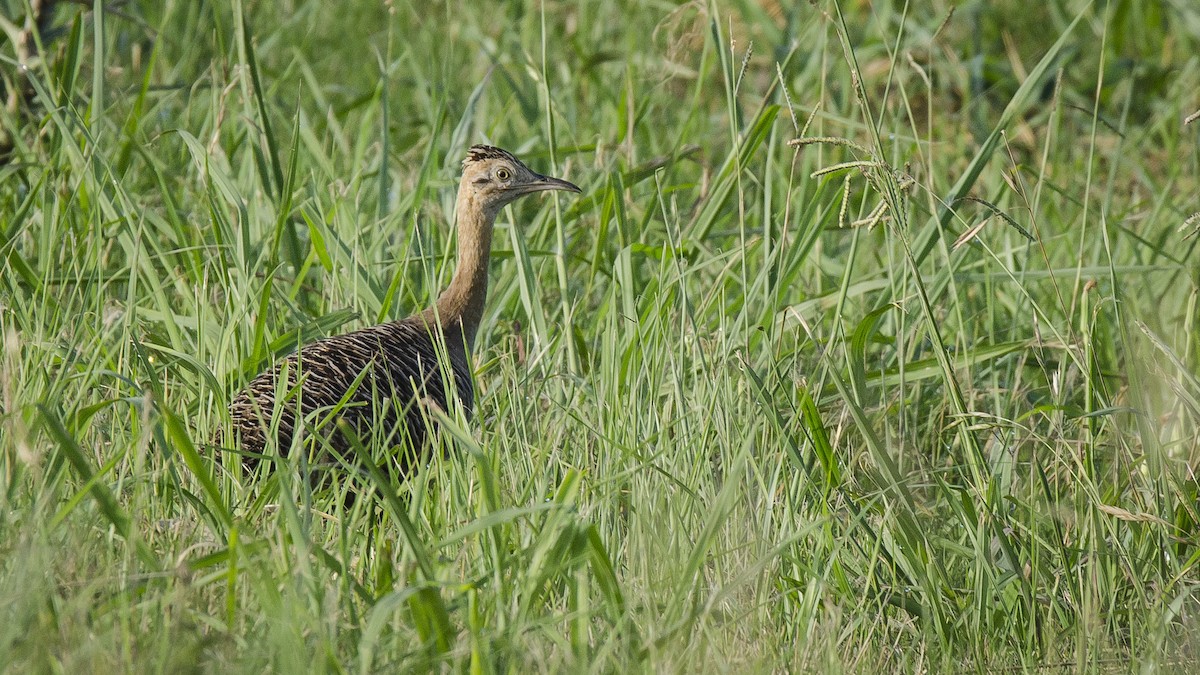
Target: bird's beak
(542,183)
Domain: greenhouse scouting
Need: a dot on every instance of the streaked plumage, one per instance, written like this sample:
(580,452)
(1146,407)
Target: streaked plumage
(399,361)
(403,369)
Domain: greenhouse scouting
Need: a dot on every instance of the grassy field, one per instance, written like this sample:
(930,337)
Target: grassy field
(919,392)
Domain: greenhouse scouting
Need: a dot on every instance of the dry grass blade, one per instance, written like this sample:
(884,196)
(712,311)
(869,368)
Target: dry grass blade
(1131,517)
(969,234)
(1193,219)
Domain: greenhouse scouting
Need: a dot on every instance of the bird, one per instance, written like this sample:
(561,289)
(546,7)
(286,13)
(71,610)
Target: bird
(406,364)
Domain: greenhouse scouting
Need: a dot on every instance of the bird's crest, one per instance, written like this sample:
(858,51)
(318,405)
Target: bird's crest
(478,153)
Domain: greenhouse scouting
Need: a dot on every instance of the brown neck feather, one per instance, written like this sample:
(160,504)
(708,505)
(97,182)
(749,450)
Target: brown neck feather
(462,303)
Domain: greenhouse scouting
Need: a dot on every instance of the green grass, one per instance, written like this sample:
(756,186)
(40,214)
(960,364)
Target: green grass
(918,394)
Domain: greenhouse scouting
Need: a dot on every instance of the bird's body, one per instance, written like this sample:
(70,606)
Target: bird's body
(380,378)
(401,364)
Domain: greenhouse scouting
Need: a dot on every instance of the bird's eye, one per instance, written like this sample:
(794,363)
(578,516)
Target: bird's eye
(503,174)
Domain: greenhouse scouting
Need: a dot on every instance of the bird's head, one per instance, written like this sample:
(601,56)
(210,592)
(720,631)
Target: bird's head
(493,178)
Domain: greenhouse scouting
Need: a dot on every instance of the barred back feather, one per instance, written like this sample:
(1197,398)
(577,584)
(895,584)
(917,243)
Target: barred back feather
(403,372)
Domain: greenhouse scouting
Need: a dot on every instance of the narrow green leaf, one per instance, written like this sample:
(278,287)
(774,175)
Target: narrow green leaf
(83,468)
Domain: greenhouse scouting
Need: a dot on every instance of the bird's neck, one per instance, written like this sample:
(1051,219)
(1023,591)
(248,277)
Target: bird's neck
(461,304)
